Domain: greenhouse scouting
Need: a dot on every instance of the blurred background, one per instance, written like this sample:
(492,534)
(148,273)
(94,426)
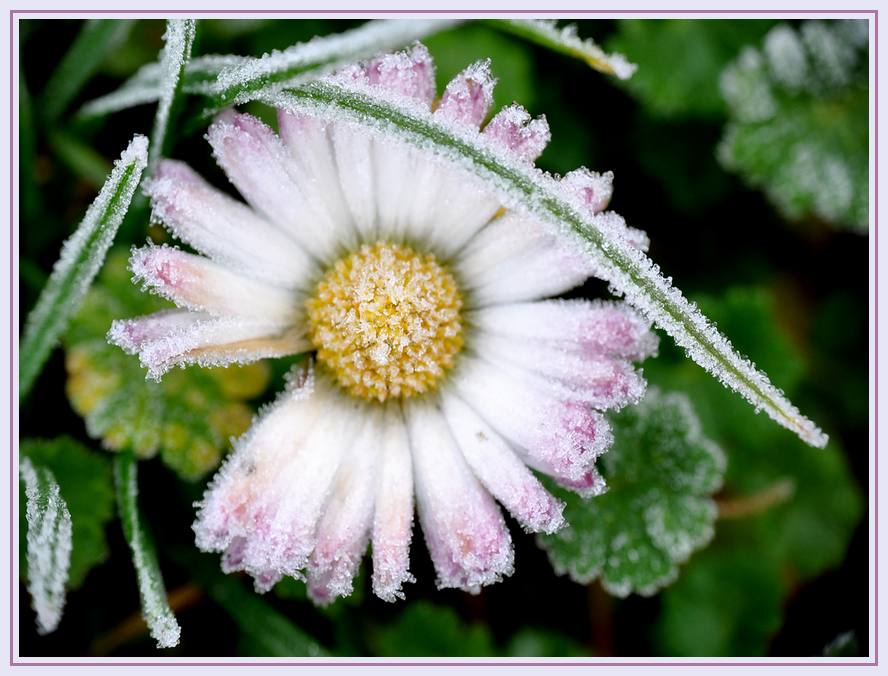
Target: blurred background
(750,177)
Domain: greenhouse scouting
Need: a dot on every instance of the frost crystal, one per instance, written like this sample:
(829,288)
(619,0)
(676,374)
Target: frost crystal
(49,544)
(178,40)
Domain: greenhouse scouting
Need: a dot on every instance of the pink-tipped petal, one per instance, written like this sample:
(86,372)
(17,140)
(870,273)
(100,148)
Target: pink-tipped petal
(260,166)
(198,283)
(469,96)
(224,229)
(467,538)
(393,515)
(164,341)
(409,73)
(262,508)
(590,485)
(513,128)
(552,434)
(599,380)
(500,470)
(593,189)
(344,529)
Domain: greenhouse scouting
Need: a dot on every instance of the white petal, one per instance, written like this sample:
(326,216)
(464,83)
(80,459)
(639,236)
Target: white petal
(599,327)
(464,530)
(260,166)
(353,150)
(198,283)
(165,340)
(263,506)
(224,229)
(554,435)
(393,516)
(344,528)
(514,259)
(499,469)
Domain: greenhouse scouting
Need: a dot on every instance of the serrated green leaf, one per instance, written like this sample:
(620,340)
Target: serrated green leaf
(84,478)
(661,472)
(48,543)
(799,122)
(538,195)
(81,257)
(188,418)
(728,602)
(426,630)
(161,622)
(96,40)
(680,61)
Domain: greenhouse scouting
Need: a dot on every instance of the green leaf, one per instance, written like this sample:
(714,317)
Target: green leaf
(96,40)
(726,603)
(661,472)
(82,159)
(178,41)
(566,41)
(48,543)
(188,418)
(225,80)
(426,630)
(84,478)
(680,61)
(530,191)
(161,622)
(810,532)
(799,121)
(81,257)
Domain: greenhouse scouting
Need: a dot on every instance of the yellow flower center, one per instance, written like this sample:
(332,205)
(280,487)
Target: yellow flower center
(386,321)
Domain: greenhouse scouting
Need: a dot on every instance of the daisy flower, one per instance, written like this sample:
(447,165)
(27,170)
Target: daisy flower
(443,374)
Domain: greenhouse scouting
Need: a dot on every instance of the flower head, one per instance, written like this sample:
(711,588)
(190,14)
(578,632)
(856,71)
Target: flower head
(444,373)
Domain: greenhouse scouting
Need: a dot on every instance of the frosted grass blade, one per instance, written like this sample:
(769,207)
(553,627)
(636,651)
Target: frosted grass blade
(525,188)
(178,41)
(81,257)
(95,41)
(161,622)
(49,544)
(566,41)
(225,79)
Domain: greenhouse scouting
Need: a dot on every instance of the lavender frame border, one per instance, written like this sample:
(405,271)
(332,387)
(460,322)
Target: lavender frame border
(872,14)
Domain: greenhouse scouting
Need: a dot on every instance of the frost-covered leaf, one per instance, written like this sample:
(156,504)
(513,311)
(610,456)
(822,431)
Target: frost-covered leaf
(601,237)
(226,79)
(84,478)
(48,542)
(162,624)
(178,40)
(426,630)
(661,473)
(798,129)
(728,602)
(188,418)
(565,40)
(809,532)
(680,61)
(81,257)
(97,39)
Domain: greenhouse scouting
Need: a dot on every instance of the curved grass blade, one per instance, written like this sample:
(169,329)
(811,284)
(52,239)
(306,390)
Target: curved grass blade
(95,41)
(161,622)
(565,41)
(178,41)
(226,79)
(81,257)
(525,188)
(49,544)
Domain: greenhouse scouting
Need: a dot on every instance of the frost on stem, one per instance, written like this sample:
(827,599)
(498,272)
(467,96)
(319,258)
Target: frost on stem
(604,240)
(49,544)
